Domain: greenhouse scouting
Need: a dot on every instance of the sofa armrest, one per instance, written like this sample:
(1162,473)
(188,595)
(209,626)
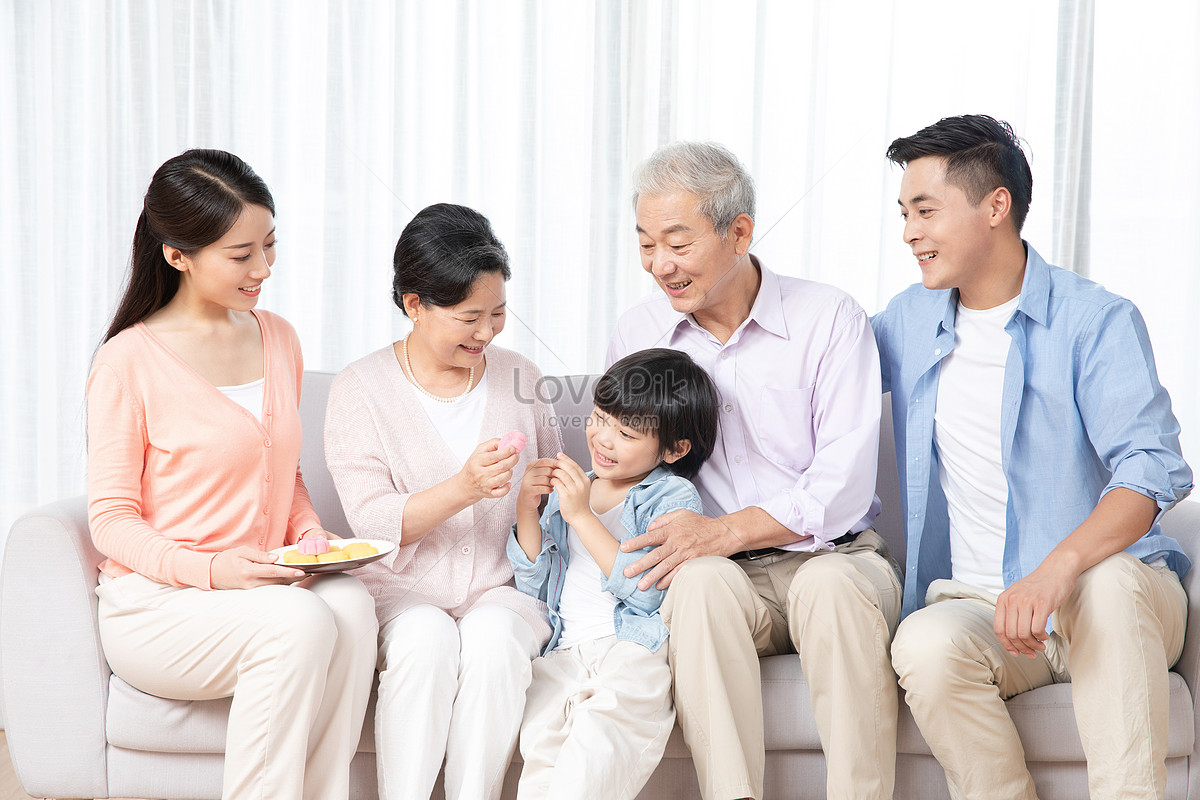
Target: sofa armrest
(53,674)
(1182,523)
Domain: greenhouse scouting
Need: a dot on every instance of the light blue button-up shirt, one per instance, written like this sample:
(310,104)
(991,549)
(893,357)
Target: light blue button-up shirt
(635,617)
(1082,413)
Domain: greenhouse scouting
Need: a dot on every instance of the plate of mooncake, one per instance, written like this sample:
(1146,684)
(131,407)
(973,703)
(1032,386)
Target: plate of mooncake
(311,555)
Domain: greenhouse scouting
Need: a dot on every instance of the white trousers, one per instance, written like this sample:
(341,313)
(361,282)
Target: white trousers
(452,688)
(297,660)
(597,719)
(1115,637)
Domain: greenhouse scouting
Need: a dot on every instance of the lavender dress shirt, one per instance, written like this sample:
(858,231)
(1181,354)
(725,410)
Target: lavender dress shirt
(799,387)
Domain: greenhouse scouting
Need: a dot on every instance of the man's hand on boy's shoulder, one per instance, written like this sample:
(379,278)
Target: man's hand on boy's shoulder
(677,537)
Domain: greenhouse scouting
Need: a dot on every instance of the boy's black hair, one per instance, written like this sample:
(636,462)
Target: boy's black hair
(981,153)
(667,393)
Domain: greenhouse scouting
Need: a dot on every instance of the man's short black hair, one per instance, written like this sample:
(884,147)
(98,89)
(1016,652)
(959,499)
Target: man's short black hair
(664,392)
(981,154)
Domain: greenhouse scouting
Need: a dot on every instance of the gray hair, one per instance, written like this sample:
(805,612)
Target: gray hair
(705,169)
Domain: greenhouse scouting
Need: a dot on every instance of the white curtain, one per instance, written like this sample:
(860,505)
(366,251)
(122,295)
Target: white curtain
(359,113)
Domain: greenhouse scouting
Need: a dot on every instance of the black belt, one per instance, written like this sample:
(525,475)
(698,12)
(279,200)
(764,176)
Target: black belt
(755,555)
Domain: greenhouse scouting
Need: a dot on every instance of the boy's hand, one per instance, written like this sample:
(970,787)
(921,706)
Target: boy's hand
(574,489)
(535,484)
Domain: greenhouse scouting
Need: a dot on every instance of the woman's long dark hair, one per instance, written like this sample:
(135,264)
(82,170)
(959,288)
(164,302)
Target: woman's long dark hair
(193,200)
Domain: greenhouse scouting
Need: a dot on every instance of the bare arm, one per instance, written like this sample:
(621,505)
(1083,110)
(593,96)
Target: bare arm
(534,485)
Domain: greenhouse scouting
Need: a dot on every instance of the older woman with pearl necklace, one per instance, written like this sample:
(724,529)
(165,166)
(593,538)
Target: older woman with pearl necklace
(413,440)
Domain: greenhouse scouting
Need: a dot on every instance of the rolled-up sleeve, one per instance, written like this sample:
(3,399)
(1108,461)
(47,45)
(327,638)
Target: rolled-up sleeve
(532,577)
(1126,411)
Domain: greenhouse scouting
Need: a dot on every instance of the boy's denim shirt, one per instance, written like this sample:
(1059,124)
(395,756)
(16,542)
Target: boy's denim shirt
(635,617)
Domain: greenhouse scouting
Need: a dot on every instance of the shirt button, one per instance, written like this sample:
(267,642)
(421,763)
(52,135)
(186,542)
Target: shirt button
(728,407)
(458,600)
(466,551)
(937,351)
(268,477)
(267,443)
(266,511)
(724,356)
(268,412)
(738,459)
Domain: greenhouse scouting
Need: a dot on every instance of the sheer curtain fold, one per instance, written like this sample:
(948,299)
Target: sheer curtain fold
(358,114)
(1073,136)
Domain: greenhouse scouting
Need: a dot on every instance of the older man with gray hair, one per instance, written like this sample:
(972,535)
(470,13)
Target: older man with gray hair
(785,560)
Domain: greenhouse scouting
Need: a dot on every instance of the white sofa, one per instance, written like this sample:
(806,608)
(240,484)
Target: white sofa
(76,731)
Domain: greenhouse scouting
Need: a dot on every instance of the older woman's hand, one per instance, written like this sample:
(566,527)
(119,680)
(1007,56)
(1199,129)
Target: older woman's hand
(488,472)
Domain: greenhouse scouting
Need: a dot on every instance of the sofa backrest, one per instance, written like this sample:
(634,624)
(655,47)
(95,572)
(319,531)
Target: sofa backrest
(571,396)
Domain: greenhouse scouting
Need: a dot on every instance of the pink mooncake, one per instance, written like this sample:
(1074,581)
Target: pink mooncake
(514,439)
(314,546)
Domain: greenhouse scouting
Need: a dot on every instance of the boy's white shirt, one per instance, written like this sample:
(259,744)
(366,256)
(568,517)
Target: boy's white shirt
(585,608)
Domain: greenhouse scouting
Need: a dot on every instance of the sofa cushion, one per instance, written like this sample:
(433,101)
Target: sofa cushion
(1045,720)
(1044,717)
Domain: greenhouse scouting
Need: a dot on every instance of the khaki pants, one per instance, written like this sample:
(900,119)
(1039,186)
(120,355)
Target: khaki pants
(838,610)
(597,719)
(1115,637)
(298,663)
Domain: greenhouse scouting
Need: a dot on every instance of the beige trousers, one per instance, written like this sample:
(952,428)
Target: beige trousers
(1115,638)
(297,660)
(597,719)
(838,610)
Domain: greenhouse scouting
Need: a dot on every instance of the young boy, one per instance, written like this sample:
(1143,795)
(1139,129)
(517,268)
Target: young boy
(599,710)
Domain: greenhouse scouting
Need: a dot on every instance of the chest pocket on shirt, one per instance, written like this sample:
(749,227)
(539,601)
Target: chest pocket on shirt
(785,425)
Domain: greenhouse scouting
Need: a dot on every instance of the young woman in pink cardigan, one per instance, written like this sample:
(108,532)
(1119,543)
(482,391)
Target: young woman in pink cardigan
(412,439)
(193,455)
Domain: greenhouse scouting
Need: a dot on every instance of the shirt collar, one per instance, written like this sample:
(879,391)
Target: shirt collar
(766,311)
(1035,288)
(1034,299)
(656,474)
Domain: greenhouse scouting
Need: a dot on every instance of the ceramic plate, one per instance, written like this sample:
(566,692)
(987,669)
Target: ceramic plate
(384,548)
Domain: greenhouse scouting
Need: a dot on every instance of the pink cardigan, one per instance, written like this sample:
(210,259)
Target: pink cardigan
(381,448)
(178,472)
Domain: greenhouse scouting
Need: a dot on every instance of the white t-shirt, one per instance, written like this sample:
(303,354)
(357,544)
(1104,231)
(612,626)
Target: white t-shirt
(248,395)
(458,422)
(966,434)
(585,608)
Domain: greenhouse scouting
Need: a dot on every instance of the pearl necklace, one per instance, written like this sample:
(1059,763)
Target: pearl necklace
(417,384)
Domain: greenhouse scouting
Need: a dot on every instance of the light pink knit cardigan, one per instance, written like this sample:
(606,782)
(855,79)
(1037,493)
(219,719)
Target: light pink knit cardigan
(381,448)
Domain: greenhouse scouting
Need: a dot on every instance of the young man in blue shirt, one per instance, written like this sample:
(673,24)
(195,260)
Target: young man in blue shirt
(1036,451)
